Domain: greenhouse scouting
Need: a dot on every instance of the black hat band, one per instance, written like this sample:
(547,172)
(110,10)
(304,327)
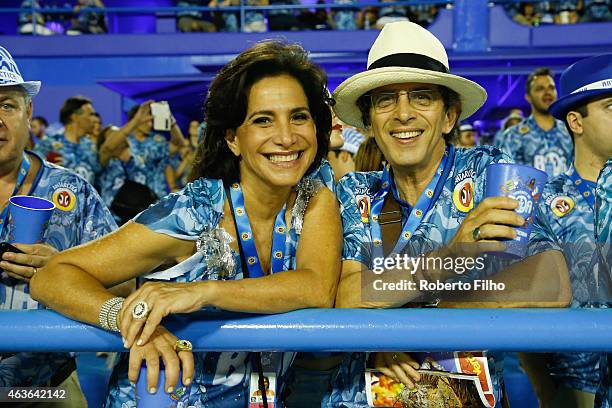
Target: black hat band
(409,60)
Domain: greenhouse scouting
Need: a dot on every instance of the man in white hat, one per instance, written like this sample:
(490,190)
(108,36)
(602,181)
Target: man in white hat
(568,202)
(79,217)
(433,194)
(540,140)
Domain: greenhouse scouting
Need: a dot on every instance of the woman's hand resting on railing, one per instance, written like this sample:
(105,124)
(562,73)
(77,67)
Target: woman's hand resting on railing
(162,344)
(398,366)
(161,299)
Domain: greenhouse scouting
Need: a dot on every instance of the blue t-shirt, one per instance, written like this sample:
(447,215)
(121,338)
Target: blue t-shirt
(115,174)
(153,153)
(438,225)
(221,379)
(325,174)
(571,219)
(603,260)
(527,143)
(79,217)
(82,157)
(345,19)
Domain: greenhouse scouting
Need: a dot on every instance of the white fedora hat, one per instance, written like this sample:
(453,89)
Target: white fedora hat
(10,75)
(405,52)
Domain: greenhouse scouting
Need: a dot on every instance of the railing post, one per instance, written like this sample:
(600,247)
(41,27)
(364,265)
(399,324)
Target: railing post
(242,15)
(470,25)
(34,22)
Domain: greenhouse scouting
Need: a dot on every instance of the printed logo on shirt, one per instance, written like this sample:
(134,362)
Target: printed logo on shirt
(552,162)
(562,205)
(363,203)
(64,199)
(463,194)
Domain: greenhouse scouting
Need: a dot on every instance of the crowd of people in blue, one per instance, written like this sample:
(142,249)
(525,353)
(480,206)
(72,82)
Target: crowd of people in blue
(260,209)
(94,21)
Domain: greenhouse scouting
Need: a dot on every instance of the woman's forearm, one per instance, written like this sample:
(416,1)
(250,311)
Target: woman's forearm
(52,283)
(277,293)
(77,281)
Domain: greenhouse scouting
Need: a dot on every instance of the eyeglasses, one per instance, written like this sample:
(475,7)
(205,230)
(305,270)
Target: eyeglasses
(421,99)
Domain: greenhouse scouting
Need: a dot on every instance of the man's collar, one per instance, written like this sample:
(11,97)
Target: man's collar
(396,193)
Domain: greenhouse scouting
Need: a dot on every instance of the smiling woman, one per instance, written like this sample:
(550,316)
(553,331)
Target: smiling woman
(277,141)
(255,208)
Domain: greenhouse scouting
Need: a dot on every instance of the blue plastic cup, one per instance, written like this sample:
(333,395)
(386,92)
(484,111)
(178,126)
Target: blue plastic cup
(160,399)
(28,218)
(524,184)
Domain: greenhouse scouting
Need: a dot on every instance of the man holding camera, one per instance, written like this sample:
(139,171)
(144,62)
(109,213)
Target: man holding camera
(149,147)
(79,217)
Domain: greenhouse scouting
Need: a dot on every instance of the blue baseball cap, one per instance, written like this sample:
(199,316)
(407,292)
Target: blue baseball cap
(10,75)
(582,81)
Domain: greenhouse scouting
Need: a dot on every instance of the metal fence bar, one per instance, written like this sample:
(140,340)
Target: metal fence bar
(336,330)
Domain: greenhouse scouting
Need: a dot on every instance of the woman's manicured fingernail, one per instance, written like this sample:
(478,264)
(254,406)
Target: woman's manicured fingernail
(152,390)
(139,342)
(187,381)
(170,389)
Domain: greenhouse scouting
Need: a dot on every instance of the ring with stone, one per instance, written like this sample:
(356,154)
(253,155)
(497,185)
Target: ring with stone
(141,310)
(183,345)
(476,234)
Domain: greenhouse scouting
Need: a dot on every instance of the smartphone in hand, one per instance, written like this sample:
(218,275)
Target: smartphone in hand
(162,117)
(6,247)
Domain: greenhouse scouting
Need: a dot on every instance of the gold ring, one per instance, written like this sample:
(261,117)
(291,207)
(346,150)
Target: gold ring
(183,345)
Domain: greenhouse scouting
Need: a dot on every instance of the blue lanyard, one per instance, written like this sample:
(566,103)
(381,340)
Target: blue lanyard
(581,185)
(23,172)
(416,215)
(245,234)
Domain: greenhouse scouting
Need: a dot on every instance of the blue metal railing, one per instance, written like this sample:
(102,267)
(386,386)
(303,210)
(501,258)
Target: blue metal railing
(336,330)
